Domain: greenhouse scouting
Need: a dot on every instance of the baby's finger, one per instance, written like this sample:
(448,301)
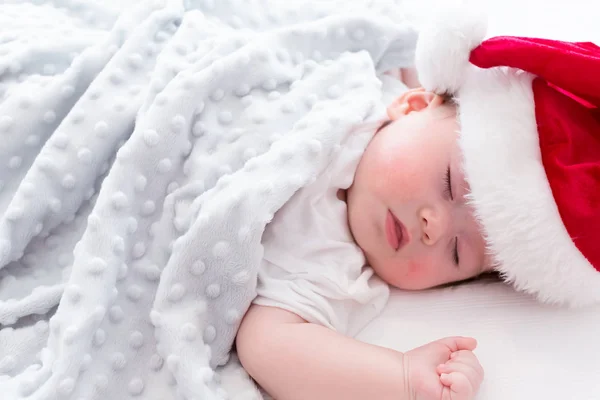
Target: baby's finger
(468,358)
(464,369)
(458,387)
(457,343)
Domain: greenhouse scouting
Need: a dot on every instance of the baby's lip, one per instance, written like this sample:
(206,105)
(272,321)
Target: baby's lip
(396,233)
(405,236)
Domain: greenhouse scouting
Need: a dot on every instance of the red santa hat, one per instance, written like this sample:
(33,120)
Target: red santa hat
(530,136)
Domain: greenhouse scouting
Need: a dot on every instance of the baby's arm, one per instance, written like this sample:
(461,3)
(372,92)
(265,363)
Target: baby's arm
(293,359)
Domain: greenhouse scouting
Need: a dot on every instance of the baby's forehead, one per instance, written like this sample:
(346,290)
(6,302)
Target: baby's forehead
(489,262)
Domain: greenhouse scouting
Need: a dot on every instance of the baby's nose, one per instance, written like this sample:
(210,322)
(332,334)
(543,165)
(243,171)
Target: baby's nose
(433,225)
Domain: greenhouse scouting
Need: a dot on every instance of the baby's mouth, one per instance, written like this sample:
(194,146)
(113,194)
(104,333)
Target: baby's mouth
(395,232)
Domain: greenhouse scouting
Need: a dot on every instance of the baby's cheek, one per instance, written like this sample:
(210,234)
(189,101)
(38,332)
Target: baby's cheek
(416,270)
(421,273)
(398,181)
(413,268)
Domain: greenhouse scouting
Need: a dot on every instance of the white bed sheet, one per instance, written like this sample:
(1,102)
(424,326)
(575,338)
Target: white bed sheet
(528,350)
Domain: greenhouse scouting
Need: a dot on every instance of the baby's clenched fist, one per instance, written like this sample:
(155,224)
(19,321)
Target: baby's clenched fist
(461,375)
(446,369)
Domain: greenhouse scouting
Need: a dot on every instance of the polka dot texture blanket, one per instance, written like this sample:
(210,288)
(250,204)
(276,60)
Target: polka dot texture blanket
(142,155)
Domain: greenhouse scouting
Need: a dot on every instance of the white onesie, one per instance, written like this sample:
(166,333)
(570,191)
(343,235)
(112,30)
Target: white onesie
(311,265)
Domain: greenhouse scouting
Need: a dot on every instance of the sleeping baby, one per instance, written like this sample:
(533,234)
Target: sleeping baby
(435,197)
(405,215)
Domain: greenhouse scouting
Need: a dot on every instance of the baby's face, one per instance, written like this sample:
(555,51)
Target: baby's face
(407,208)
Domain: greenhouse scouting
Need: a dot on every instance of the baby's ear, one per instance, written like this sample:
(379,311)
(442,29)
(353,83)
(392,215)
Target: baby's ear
(413,100)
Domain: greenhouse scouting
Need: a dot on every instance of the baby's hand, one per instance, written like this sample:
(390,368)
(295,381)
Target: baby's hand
(446,369)
(461,375)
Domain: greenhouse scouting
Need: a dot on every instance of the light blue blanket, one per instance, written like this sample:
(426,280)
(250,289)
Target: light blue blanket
(142,155)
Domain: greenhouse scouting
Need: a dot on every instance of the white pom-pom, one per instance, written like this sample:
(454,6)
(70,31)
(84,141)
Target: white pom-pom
(444,46)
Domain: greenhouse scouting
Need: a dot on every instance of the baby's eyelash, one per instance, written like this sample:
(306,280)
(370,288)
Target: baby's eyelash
(455,252)
(448,182)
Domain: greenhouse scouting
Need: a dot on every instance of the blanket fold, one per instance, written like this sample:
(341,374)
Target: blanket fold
(143,155)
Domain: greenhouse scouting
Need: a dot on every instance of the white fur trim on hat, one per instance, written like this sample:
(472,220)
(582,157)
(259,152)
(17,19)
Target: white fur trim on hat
(444,46)
(510,190)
